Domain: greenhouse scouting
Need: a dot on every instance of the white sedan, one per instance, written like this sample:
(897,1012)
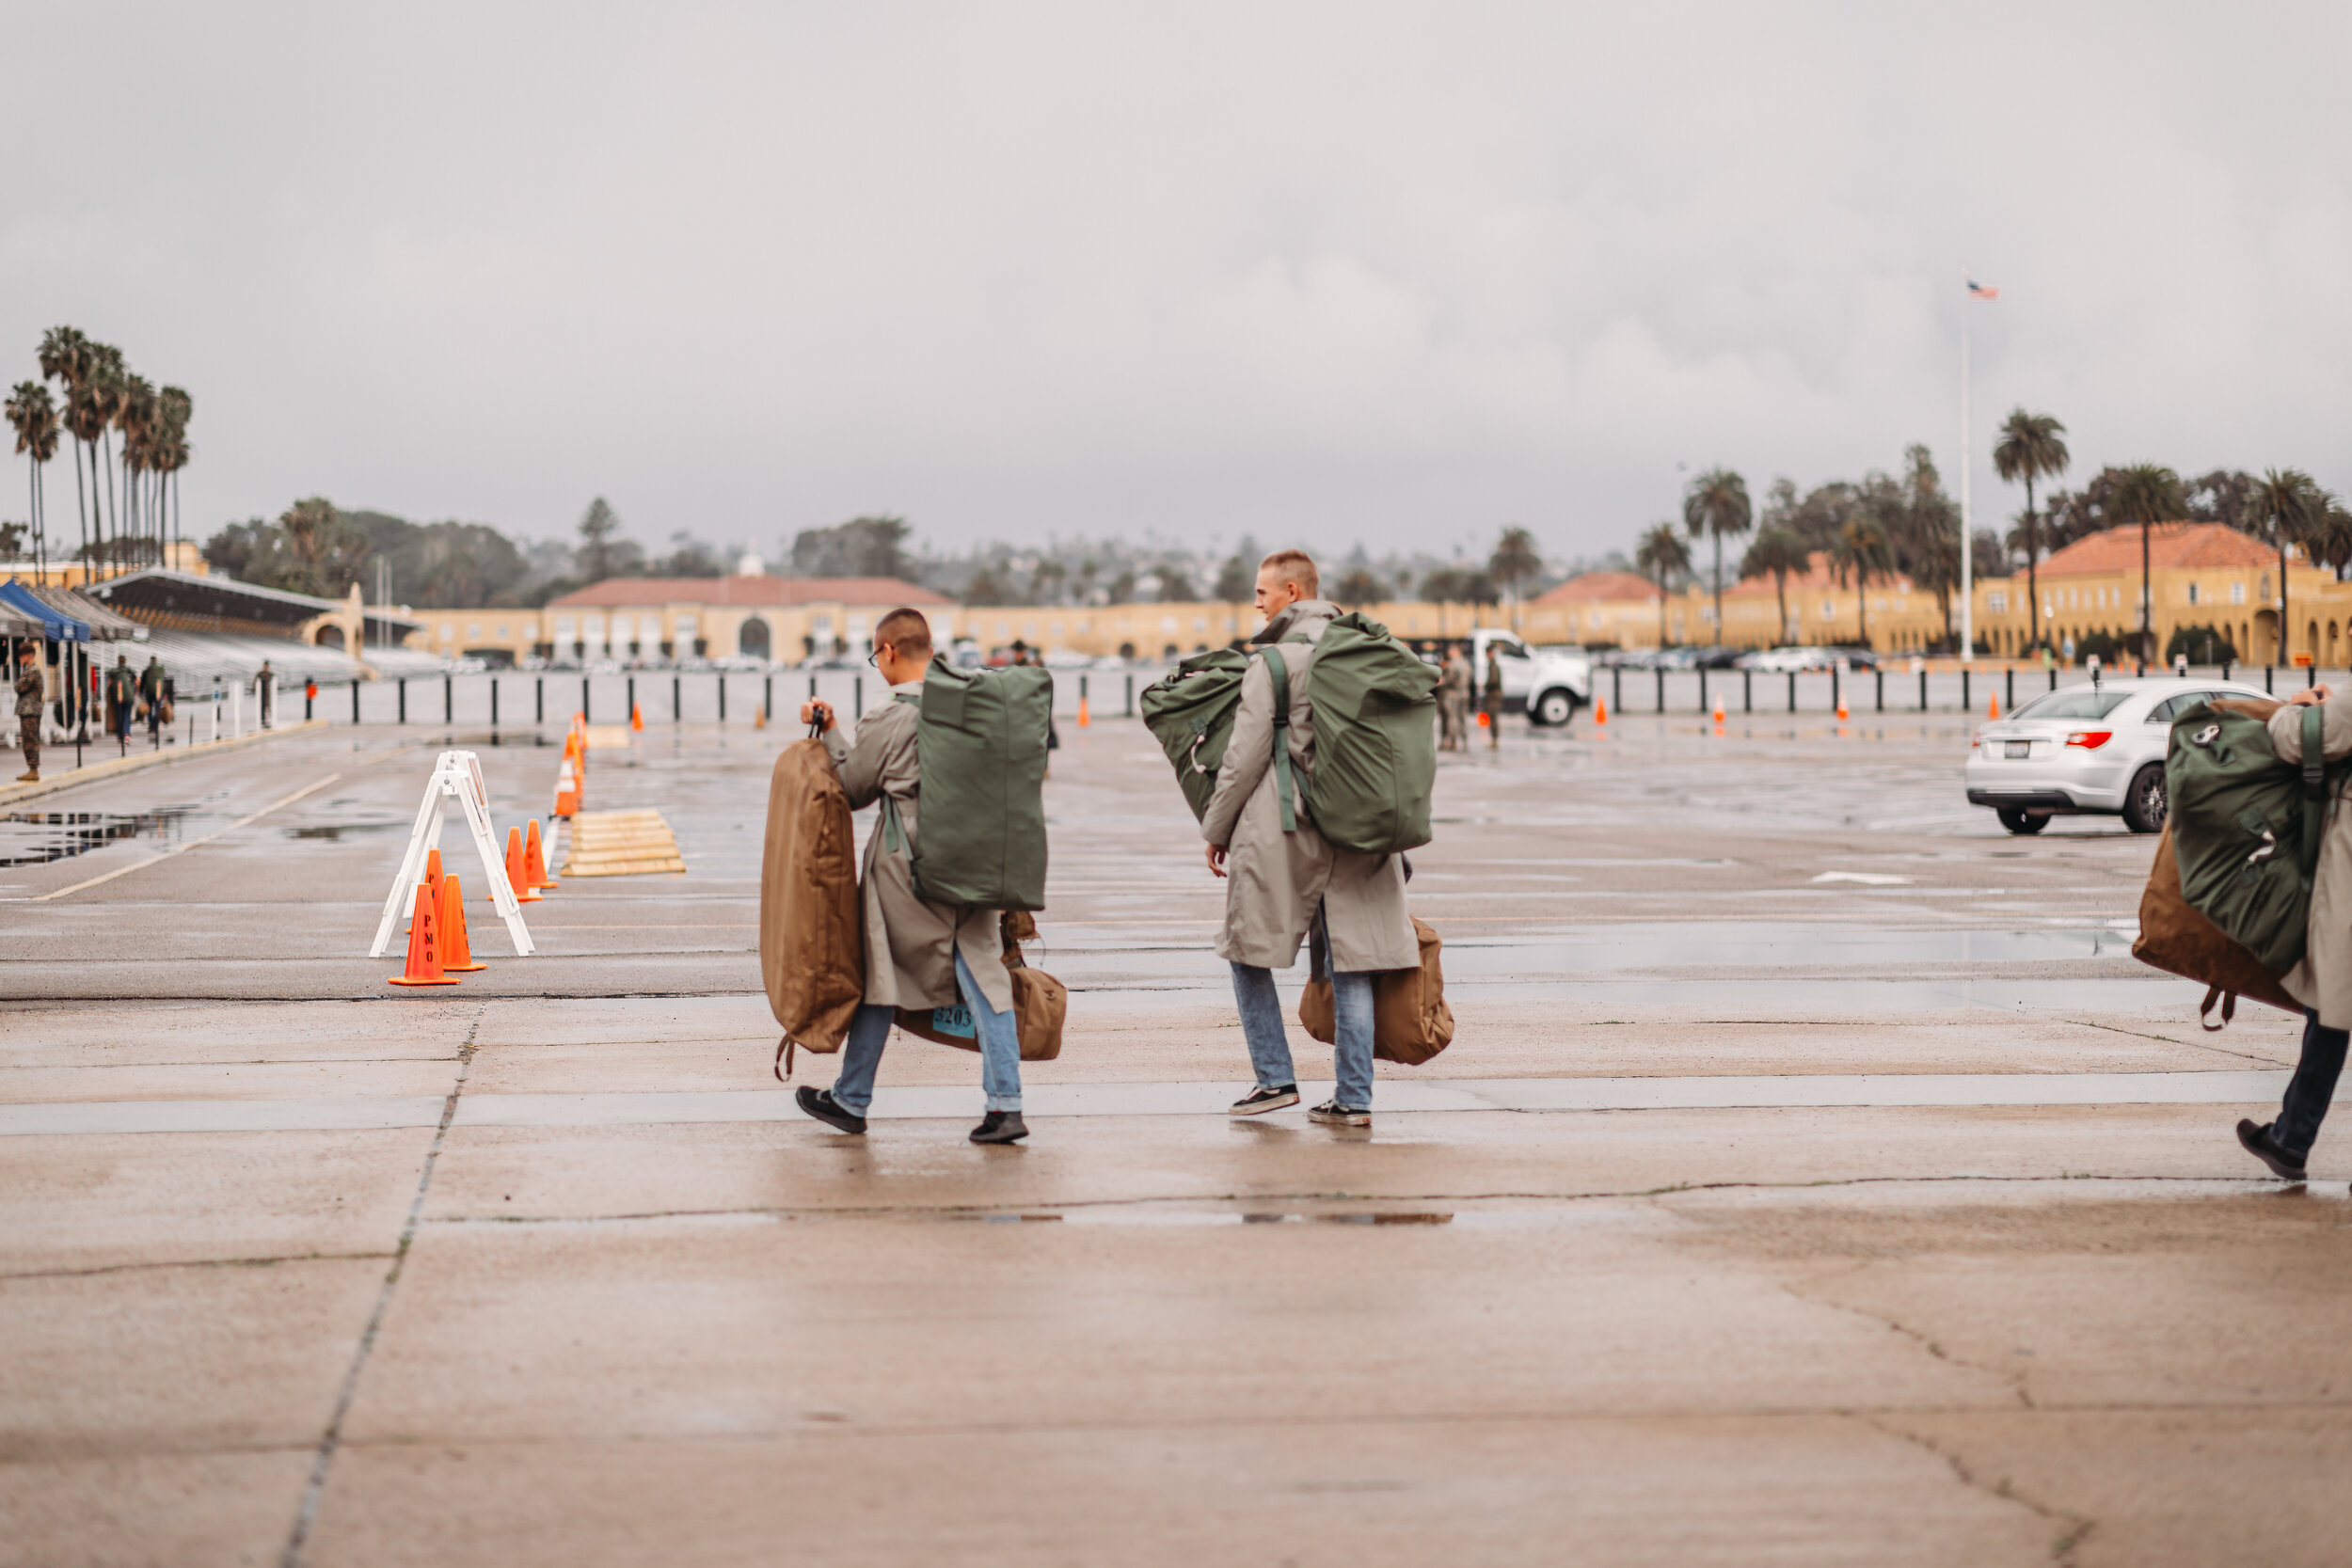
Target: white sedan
(2091,749)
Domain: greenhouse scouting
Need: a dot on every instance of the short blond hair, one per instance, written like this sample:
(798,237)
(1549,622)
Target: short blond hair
(1294,566)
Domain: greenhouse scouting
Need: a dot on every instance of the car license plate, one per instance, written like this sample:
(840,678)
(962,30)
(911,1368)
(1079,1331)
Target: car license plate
(2015,748)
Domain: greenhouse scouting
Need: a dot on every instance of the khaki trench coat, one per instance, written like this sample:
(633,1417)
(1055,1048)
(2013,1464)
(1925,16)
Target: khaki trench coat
(1274,880)
(910,944)
(2322,981)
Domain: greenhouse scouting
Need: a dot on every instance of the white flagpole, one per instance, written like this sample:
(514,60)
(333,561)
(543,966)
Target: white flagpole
(1967,539)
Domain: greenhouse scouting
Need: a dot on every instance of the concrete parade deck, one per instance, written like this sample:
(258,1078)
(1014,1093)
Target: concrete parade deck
(1814,1178)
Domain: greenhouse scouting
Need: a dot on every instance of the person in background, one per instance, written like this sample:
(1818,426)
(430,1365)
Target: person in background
(265,688)
(122,696)
(1454,700)
(152,694)
(2322,980)
(1494,699)
(28,706)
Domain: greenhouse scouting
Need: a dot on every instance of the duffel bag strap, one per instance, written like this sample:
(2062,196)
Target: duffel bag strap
(1285,786)
(2314,786)
(784,1060)
(2229,1008)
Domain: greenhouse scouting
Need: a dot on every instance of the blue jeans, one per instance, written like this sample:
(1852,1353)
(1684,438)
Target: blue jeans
(1351,1021)
(2311,1087)
(870,1031)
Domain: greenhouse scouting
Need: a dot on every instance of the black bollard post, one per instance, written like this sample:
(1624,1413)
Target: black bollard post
(677,699)
(1965,700)
(2267,669)
(2310,673)
(1131,694)
(629,707)
(857,693)
(1661,674)
(494,707)
(2009,688)
(402,684)
(2053,677)
(768,698)
(1792,691)
(1703,707)
(1837,688)
(1747,692)
(538,699)
(1923,692)
(1879,676)
(1617,687)
(583,699)
(723,697)
(449,699)
(355,699)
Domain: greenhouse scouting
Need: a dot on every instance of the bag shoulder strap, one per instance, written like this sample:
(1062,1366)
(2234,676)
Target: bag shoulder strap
(2314,787)
(1285,784)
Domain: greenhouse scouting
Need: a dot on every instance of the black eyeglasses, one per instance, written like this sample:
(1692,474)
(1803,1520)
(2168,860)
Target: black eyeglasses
(874,657)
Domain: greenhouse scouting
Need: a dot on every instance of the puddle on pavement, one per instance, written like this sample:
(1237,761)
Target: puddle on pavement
(40,837)
(333,832)
(1195,1217)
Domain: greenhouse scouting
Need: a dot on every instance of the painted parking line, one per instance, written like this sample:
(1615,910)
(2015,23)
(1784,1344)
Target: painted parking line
(1558,1094)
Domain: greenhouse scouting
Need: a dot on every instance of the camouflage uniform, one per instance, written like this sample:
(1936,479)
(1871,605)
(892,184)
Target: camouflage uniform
(28,706)
(1454,695)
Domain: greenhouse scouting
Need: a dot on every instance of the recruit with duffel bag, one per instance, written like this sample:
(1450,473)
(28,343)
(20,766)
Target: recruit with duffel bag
(2228,901)
(1376,765)
(956,760)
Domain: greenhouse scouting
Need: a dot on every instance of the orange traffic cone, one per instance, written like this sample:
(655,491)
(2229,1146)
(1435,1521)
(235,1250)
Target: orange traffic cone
(566,792)
(636,715)
(425,945)
(759,718)
(534,865)
(1083,717)
(1841,710)
(456,952)
(1993,709)
(1719,710)
(517,877)
(432,878)
(1600,710)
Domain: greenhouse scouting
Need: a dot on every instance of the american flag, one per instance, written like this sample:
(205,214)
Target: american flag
(1983,291)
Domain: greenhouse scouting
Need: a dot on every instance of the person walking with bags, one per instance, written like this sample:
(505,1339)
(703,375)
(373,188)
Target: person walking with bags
(1454,698)
(2322,982)
(151,697)
(1283,881)
(918,954)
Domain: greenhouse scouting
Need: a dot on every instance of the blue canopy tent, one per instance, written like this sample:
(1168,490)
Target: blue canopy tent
(61,631)
(56,626)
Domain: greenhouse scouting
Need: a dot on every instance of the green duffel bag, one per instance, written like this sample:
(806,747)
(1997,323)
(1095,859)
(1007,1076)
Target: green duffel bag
(1374,706)
(1190,712)
(2246,823)
(980,743)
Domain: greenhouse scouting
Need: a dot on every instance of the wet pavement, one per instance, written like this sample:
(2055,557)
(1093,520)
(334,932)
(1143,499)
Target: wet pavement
(1815,1177)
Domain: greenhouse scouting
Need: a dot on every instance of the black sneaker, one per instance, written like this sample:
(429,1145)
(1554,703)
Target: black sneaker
(1261,1100)
(825,1108)
(1000,1127)
(1337,1115)
(2263,1146)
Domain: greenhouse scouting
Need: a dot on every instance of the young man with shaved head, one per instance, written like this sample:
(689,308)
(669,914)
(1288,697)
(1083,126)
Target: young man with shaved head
(1285,886)
(918,954)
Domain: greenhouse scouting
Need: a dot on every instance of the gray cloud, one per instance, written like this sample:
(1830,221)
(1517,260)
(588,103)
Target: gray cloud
(1396,274)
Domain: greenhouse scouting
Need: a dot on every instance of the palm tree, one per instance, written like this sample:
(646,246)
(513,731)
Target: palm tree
(2148,494)
(137,418)
(1660,556)
(1779,552)
(106,375)
(177,407)
(2283,507)
(65,359)
(35,421)
(1716,506)
(1515,562)
(2031,447)
(1863,551)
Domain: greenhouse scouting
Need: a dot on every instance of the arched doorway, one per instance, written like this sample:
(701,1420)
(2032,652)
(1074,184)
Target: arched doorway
(2262,642)
(750,637)
(330,637)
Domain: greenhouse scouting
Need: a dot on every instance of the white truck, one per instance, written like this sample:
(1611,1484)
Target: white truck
(1547,685)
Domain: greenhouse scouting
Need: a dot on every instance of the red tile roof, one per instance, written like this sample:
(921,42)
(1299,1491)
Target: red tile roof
(2116,549)
(1601,585)
(749,590)
(1817,575)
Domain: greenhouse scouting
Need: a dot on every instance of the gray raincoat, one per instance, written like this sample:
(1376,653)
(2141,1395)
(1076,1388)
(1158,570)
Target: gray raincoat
(1275,880)
(910,944)
(2322,981)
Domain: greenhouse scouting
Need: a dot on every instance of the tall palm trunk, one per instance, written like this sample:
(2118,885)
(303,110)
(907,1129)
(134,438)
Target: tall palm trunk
(98,519)
(1862,603)
(2033,586)
(1719,589)
(2279,644)
(2147,602)
(81,512)
(113,512)
(1780,592)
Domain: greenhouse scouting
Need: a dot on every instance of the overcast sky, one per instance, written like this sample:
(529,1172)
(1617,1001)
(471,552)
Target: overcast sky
(1323,274)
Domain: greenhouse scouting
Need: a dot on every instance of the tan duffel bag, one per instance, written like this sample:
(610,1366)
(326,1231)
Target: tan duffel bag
(1040,1001)
(810,955)
(1410,1021)
(2173,937)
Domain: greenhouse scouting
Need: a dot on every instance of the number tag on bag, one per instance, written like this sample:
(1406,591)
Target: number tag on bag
(956,1020)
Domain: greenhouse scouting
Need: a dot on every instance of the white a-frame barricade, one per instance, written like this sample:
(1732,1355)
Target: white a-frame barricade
(455,774)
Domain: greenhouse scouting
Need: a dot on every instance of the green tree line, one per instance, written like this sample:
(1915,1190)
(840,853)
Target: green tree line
(97,399)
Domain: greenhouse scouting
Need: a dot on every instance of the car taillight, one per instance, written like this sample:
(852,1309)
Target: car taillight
(2089,740)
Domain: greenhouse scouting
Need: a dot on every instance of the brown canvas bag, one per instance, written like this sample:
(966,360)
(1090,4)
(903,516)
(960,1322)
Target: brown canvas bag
(2173,937)
(810,956)
(1410,1021)
(1040,1001)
